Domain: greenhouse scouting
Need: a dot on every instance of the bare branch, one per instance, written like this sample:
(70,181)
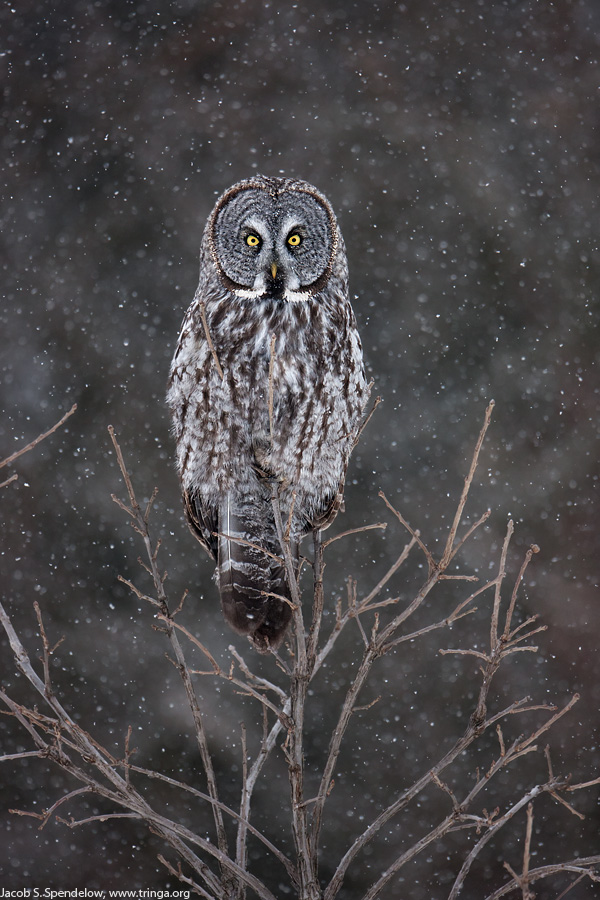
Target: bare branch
(183,878)
(527,849)
(568,806)
(102,817)
(336,740)
(257,679)
(480,521)
(368,417)
(338,537)
(48,650)
(180,785)
(498,586)
(246,687)
(390,572)
(209,340)
(41,437)
(241,846)
(414,534)
(271,397)
(583,866)
(318,601)
(551,721)
(9,757)
(511,607)
(238,540)
(56,736)
(499,823)
(583,785)
(450,550)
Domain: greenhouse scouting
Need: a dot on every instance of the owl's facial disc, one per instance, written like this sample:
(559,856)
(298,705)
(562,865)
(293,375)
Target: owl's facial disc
(273,246)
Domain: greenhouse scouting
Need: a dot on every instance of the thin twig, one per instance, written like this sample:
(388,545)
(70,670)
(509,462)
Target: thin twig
(180,785)
(518,581)
(241,847)
(378,525)
(271,386)
(41,437)
(257,679)
(450,550)
(238,540)
(367,418)
(498,586)
(414,534)
(318,600)
(101,817)
(9,757)
(198,889)
(246,687)
(499,823)
(583,785)
(468,534)
(209,340)
(583,866)
(527,848)
(364,603)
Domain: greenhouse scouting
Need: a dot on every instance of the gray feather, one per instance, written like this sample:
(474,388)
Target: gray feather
(248,578)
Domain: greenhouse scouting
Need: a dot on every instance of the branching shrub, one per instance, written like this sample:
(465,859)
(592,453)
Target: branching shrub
(219,865)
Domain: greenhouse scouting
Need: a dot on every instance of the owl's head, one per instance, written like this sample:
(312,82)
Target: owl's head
(273,238)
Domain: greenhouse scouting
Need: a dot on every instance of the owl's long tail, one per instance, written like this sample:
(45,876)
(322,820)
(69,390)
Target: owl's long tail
(254,592)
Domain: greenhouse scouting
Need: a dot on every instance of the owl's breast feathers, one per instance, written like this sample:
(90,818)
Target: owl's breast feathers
(288,404)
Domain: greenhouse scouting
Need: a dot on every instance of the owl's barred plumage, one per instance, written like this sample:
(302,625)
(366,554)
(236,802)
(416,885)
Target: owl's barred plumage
(267,386)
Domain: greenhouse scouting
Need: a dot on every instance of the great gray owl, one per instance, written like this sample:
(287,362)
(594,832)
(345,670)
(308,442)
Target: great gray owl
(267,387)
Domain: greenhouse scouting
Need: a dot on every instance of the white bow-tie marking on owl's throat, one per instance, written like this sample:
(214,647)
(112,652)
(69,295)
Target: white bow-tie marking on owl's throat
(250,294)
(260,292)
(296,296)
(288,295)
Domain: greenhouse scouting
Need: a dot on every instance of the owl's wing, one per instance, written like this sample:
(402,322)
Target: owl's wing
(203,521)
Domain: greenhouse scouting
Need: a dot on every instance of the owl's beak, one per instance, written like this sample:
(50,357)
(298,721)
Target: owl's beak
(273,270)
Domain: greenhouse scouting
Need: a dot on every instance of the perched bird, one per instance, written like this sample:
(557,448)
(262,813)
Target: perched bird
(267,387)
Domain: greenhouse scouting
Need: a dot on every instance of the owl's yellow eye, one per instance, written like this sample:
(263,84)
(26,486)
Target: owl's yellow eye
(294,240)
(253,240)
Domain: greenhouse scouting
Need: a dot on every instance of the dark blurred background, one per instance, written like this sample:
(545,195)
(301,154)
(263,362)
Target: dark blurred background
(458,143)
